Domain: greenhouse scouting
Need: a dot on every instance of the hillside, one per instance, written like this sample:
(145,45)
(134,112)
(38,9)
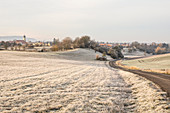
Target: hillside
(154,63)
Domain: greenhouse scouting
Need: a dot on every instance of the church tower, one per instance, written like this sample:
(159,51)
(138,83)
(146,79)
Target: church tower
(24,38)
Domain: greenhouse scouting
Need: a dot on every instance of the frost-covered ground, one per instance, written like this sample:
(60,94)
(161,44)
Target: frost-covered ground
(134,54)
(153,62)
(72,82)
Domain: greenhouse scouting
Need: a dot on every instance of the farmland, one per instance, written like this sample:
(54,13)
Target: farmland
(72,82)
(157,63)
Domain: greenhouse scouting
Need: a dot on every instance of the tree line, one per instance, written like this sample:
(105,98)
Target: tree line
(13,45)
(67,43)
(152,48)
(115,51)
(85,42)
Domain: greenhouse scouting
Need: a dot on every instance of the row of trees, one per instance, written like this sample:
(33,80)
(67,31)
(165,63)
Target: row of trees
(152,48)
(114,52)
(68,43)
(85,42)
(7,44)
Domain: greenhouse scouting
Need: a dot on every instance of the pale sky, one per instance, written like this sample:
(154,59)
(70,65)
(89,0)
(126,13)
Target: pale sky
(103,20)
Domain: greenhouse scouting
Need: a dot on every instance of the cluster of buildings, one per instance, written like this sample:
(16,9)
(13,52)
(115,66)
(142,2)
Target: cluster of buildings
(27,43)
(110,45)
(16,42)
(39,43)
(24,45)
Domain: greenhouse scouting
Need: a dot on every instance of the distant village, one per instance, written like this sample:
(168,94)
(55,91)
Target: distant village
(24,45)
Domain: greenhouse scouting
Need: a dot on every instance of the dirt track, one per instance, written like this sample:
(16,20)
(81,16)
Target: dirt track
(162,80)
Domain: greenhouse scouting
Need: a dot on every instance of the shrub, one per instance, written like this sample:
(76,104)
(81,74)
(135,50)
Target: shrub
(54,48)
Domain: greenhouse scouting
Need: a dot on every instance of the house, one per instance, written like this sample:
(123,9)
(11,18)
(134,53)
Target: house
(22,42)
(105,45)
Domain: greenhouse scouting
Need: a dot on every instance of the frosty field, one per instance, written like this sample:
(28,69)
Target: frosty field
(72,82)
(156,63)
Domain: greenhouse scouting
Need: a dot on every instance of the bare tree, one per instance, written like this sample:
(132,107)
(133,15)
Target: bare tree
(76,42)
(84,41)
(67,42)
